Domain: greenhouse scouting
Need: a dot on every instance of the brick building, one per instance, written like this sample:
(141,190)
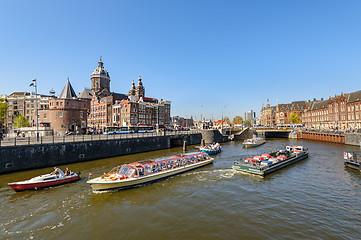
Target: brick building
(341,111)
(268,115)
(115,109)
(284,111)
(66,113)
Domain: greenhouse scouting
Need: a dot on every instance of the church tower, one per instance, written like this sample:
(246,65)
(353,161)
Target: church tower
(139,90)
(132,90)
(100,79)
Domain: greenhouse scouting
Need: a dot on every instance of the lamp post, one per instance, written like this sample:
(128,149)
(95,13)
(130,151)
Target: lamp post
(222,116)
(35,85)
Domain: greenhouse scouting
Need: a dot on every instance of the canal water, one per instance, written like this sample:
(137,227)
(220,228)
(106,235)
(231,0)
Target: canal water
(316,198)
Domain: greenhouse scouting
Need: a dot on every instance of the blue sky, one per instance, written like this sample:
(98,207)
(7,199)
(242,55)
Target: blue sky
(204,56)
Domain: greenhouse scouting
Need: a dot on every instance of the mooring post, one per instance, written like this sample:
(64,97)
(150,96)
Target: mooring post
(184,145)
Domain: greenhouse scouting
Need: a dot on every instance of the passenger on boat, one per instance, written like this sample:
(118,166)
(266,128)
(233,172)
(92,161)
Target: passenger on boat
(61,173)
(67,172)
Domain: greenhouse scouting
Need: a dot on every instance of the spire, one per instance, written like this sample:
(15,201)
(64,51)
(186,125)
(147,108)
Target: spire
(139,82)
(139,91)
(132,89)
(100,63)
(68,91)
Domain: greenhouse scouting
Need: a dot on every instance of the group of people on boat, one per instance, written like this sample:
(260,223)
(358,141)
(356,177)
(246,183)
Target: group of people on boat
(140,169)
(213,146)
(68,172)
(171,164)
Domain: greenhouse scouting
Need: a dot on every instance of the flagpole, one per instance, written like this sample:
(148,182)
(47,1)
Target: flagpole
(35,85)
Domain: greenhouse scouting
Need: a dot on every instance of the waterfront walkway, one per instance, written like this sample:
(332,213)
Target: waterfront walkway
(21,141)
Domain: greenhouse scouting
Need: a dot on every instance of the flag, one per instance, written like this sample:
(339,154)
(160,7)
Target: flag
(90,174)
(31,85)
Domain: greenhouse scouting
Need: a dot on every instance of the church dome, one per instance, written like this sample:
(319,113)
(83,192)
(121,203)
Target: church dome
(100,71)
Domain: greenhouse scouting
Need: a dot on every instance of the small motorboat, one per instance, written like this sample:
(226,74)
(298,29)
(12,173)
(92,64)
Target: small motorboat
(253,142)
(44,181)
(352,160)
(211,149)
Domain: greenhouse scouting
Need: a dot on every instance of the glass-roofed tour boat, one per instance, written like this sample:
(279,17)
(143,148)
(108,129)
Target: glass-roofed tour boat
(138,173)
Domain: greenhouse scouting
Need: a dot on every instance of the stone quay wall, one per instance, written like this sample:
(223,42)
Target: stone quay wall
(18,158)
(211,136)
(353,139)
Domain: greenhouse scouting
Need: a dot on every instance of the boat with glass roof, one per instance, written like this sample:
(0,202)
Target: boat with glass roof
(143,172)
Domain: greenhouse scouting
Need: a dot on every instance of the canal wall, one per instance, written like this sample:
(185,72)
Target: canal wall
(211,136)
(353,139)
(18,158)
(324,137)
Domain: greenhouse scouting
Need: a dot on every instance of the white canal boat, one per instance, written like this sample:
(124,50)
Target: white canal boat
(139,173)
(253,142)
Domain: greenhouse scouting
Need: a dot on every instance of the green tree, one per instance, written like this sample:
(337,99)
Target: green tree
(294,118)
(226,119)
(237,119)
(20,121)
(3,111)
(247,123)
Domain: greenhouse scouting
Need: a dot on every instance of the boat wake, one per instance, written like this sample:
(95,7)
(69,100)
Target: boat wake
(212,175)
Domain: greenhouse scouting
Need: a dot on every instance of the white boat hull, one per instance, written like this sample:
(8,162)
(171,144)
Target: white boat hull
(99,184)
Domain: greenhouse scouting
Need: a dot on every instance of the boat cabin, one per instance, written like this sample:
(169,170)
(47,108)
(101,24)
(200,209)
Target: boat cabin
(139,169)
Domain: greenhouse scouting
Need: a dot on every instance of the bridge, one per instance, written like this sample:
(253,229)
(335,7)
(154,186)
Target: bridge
(273,132)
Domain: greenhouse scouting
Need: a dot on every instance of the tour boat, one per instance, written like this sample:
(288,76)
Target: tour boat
(267,163)
(352,160)
(211,149)
(139,173)
(253,142)
(43,181)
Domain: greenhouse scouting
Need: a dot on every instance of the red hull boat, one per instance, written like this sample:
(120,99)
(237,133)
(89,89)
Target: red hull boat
(44,181)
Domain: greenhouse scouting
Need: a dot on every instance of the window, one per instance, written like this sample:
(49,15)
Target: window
(44,115)
(60,114)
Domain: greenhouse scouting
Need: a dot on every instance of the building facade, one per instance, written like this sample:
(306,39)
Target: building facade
(339,112)
(115,109)
(66,113)
(24,103)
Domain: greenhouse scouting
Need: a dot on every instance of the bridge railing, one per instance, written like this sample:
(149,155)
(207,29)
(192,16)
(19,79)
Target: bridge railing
(21,141)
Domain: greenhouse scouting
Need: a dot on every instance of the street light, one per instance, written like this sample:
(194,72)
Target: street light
(222,116)
(35,85)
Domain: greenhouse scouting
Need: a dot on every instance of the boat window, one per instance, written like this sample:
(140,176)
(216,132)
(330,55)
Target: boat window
(123,170)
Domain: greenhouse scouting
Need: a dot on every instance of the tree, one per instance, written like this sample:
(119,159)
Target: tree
(294,118)
(3,111)
(247,123)
(226,119)
(237,119)
(20,121)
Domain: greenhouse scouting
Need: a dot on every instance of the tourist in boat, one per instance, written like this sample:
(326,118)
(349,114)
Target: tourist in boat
(61,173)
(67,172)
